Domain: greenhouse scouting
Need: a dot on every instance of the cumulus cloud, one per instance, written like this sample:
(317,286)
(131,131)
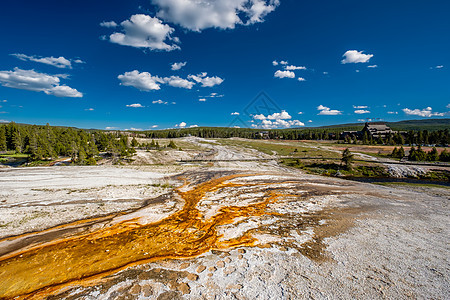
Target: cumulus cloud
(426,112)
(448,105)
(202,99)
(235,113)
(326,111)
(437,67)
(135,105)
(193,126)
(360,106)
(4,121)
(301,79)
(392,113)
(181,125)
(284,74)
(143,31)
(177,66)
(275,63)
(143,81)
(89,109)
(276,120)
(197,15)
(59,62)
(293,68)
(146,82)
(283,62)
(355,56)
(159,102)
(108,24)
(179,82)
(111,128)
(155,126)
(205,80)
(309,121)
(362,111)
(31,80)
(373,66)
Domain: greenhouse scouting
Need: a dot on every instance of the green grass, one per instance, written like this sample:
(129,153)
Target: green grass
(412,184)
(14,155)
(281,148)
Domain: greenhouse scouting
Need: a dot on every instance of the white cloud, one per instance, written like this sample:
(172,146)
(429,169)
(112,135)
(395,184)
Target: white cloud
(89,109)
(283,62)
(448,105)
(39,82)
(181,125)
(235,113)
(426,112)
(143,81)
(59,62)
(392,112)
(110,24)
(357,71)
(276,120)
(362,111)
(373,66)
(275,63)
(301,79)
(155,126)
(4,121)
(300,113)
(360,106)
(197,15)
(146,82)
(293,68)
(309,121)
(325,73)
(355,56)
(206,81)
(326,111)
(159,102)
(135,105)
(284,115)
(143,31)
(193,126)
(439,67)
(284,74)
(202,99)
(4,101)
(177,66)
(214,95)
(176,81)
(133,129)
(111,128)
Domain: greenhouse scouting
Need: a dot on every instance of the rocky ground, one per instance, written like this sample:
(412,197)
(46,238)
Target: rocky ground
(228,230)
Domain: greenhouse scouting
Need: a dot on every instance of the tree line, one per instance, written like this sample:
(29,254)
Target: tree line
(48,142)
(412,137)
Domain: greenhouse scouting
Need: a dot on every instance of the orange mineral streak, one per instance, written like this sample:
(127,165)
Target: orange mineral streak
(184,234)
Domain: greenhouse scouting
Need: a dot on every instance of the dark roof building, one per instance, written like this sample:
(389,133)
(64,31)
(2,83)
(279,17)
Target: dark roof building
(377,129)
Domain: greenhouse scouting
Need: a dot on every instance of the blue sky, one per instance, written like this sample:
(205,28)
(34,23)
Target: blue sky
(109,64)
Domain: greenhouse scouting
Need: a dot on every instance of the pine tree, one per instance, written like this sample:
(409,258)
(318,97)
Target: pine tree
(2,138)
(134,143)
(401,152)
(433,155)
(172,145)
(347,159)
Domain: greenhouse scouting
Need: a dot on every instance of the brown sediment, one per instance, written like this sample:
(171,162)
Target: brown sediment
(182,235)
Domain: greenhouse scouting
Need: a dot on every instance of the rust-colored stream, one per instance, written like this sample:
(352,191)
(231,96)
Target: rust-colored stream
(182,235)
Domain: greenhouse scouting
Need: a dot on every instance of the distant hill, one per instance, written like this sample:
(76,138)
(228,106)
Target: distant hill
(427,124)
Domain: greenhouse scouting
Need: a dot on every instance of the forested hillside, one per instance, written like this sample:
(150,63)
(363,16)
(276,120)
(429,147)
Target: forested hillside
(48,142)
